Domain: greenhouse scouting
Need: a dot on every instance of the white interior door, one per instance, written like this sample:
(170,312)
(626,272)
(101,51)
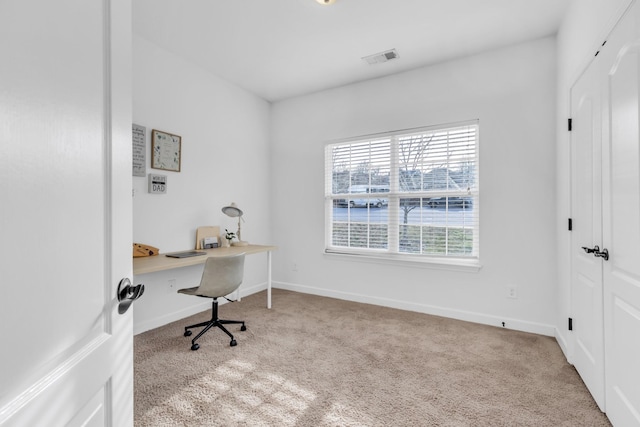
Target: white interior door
(621,215)
(65,189)
(586,272)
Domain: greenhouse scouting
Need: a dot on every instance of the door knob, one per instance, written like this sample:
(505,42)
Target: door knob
(602,254)
(595,249)
(127,294)
(597,252)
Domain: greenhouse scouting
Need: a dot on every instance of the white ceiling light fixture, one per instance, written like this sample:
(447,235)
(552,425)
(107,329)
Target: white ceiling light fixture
(326,2)
(381,57)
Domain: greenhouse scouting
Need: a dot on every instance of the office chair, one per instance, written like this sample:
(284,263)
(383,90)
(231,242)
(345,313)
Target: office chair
(221,276)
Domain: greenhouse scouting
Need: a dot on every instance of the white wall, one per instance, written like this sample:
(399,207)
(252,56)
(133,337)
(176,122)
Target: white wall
(225,132)
(509,90)
(512,92)
(585,27)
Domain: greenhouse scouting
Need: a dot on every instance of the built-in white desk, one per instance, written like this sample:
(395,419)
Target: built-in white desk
(162,262)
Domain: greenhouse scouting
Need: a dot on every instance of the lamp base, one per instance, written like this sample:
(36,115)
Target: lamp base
(240,243)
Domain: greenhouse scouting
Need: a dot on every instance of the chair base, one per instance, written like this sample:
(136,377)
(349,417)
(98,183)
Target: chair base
(214,322)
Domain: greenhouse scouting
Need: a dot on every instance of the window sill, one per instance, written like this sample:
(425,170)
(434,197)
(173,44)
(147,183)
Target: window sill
(455,264)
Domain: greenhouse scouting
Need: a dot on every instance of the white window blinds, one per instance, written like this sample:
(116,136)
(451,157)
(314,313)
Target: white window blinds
(411,193)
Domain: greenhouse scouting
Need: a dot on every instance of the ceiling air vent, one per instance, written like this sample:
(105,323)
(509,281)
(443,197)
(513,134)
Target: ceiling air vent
(381,57)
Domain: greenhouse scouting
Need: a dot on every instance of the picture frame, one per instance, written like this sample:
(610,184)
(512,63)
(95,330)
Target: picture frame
(166,151)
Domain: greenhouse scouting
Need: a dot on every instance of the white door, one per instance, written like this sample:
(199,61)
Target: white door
(65,213)
(621,219)
(586,269)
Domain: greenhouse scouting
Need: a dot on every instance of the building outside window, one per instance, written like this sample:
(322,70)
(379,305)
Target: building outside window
(410,194)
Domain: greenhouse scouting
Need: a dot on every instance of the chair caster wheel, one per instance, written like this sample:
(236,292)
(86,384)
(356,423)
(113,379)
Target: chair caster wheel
(243,328)
(233,343)
(194,347)
(187,333)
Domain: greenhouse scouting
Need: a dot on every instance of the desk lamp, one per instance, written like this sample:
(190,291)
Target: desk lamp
(234,212)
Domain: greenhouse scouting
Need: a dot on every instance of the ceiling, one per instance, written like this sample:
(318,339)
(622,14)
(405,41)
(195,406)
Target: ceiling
(283,48)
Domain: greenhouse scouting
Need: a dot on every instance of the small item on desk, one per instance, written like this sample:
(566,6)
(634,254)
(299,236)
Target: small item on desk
(228,236)
(209,242)
(141,250)
(206,231)
(233,239)
(185,254)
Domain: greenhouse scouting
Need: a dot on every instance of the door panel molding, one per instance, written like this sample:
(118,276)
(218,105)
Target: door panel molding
(52,391)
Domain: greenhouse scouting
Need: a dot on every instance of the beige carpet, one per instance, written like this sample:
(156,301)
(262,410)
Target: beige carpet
(314,361)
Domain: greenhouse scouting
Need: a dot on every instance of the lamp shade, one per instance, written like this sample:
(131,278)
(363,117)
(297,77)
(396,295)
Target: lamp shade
(232,210)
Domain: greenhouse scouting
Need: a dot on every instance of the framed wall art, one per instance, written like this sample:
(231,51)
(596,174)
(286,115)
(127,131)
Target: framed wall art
(165,151)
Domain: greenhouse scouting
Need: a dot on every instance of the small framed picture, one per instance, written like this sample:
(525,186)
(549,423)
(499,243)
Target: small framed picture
(165,151)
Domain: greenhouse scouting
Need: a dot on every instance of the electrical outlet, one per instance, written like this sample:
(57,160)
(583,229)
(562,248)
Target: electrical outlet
(512,292)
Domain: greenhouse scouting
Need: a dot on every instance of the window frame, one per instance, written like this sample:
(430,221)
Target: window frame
(393,253)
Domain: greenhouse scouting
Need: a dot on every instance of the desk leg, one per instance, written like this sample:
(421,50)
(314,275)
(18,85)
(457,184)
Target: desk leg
(269,279)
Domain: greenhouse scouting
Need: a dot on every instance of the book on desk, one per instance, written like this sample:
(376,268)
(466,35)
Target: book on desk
(185,254)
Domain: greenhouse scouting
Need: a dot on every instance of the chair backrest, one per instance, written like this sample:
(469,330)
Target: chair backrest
(221,275)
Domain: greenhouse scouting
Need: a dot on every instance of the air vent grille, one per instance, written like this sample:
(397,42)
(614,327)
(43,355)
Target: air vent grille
(381,57)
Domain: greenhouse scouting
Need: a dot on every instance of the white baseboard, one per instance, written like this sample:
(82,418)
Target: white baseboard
(245,292)
(509,323)
(200,306)
(516,324)
(156,322)
(562,342)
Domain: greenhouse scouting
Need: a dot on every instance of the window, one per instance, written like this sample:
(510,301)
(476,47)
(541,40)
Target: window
(410,194)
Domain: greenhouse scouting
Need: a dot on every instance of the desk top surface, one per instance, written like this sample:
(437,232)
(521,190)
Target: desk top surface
(162,262)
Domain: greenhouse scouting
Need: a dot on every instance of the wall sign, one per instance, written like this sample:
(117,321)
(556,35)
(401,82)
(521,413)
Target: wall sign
(157,184)
(139,134)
